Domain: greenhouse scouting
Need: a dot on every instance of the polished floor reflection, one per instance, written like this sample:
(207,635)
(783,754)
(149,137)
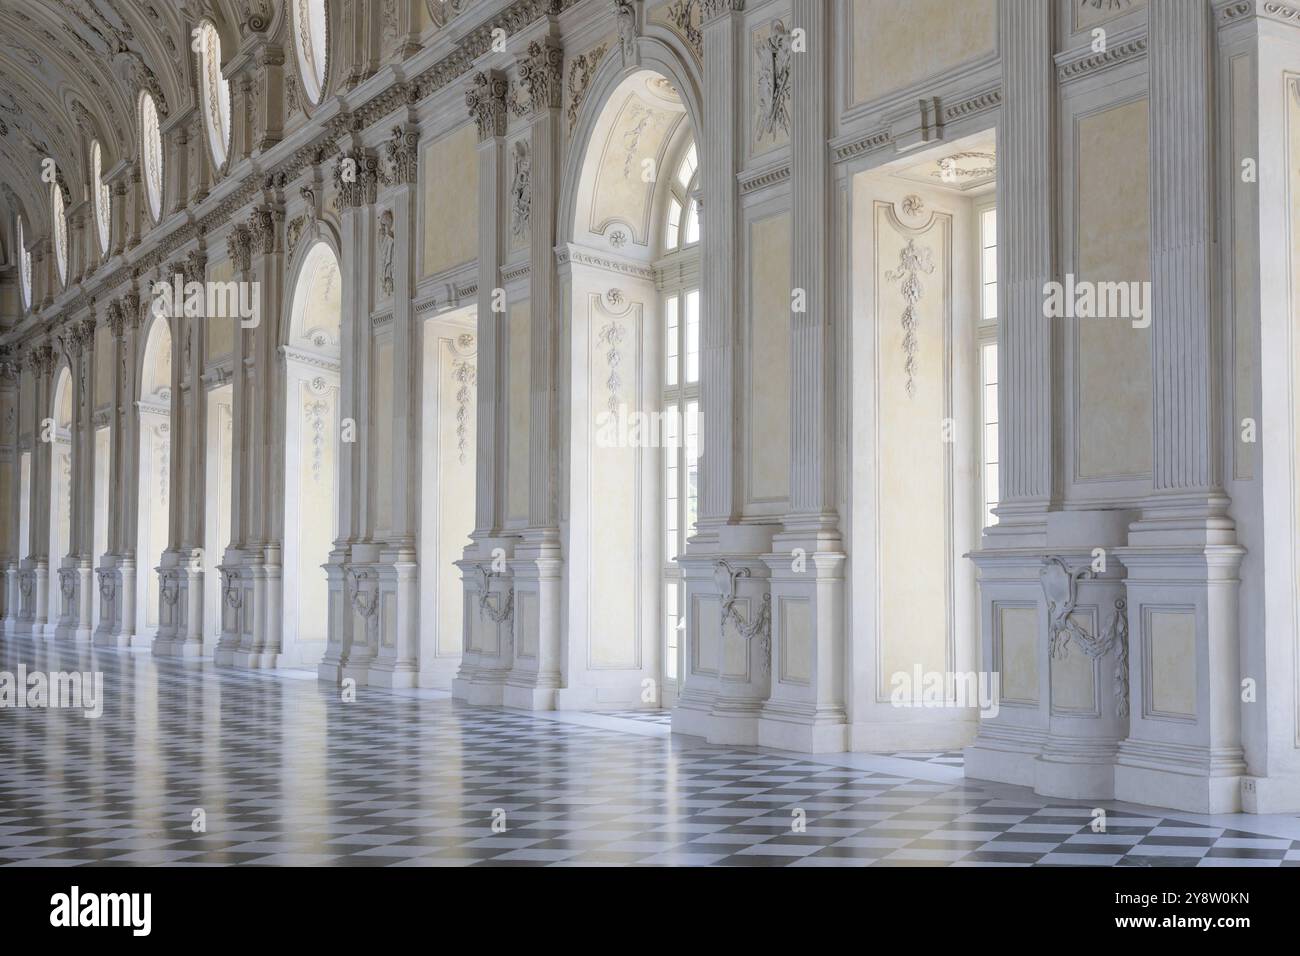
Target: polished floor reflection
(193,765)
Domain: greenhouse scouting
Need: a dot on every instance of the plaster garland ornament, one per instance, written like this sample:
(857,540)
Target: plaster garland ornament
(168,587)
(316,411)
(758,626)
(485,98)
(625,15)
(500,612)
(386,241)
(581,70)
(1060,588)
(611,336)
(520,191)
(773,71)
(365,604)
(913,261)
(230,590)
(107,585)
(465,374)
(682,15)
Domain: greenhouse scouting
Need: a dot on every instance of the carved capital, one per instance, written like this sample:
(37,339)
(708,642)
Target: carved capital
(486,101)
(541,73)
(402,156)
(262,229)
(356,177)
(712,9)
(239,247)
(196,266)
(116,320)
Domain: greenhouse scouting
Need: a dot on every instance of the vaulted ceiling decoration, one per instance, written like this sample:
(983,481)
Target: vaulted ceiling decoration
(70,74)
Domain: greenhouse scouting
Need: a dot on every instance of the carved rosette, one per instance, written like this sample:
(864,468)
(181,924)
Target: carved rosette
(541,74)
(486,101)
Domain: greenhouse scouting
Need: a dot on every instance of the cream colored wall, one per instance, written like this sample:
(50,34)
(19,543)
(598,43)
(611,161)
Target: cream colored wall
(1170,653)
(897,43)
(449,172)
(1112,359)
(520,413)
(616,540)
(913,465)
(1016,651)
(381,405)
(769,354)
(219,331)
(103,365)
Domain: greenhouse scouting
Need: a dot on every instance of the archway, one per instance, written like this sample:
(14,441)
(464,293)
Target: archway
(632,294)
(312,362)
(61,608)
(154,409)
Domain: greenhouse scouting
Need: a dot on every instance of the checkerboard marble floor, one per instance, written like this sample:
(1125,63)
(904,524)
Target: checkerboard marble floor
(285,772)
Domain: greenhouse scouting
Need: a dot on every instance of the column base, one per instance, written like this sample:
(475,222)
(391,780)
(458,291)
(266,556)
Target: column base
(224,656)
(256,660)
(805,730)
(113,642)
(1005,755)
(1194,779)
(881,736)
(163,647)
(488,693)
(393,676)
(329,673)
(1076,770)
(530,698)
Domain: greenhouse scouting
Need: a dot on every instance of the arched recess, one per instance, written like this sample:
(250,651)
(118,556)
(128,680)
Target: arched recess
(312,355)
(625,470)
(60,487)
(153,405)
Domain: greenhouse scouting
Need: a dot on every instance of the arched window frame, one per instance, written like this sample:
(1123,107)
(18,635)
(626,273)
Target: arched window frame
(59,229)
(103,197)
(681,223)
(25,267)
(151,154)
(310,36)
(215,93)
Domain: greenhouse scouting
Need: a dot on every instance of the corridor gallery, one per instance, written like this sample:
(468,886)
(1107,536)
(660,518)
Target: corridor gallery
(686,432)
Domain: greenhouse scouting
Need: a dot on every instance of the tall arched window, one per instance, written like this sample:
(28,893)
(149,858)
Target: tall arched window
(60,221)
(151,154)
(682,227)
(309,42)
(103,209)
(216,92)
(25,267)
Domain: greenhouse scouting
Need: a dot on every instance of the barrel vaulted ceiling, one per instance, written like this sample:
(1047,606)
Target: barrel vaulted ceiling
(71,72)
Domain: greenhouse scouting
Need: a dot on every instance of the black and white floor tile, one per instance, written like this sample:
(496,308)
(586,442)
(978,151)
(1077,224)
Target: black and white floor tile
(285,772)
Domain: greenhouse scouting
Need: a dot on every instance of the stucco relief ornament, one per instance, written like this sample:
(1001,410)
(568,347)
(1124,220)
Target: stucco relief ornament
(498,612)
(67,582)
(465,374)
(1060,588)
(401,156)
(773,52)
(234,597)
(386,243)
(726,578)
(913,262)
(485,98)
(625,14)
(681,14)
(521,191)
(612,336)
(581,69)
(107,587)
(913,205)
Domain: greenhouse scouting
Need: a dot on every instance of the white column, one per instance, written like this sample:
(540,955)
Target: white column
(1183,557)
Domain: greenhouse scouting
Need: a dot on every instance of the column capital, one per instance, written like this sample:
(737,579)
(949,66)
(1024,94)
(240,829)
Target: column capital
(485,98)
(239,247)
(356,177)
(541,74)
(711,10)
(401,155)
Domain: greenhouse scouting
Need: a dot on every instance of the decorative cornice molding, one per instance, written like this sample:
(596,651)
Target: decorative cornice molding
(575,255)
(752,181)
(1075,64)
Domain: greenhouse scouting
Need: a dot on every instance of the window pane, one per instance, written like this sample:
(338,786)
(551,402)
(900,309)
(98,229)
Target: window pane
(989,227)
(990,265)
(692,225)
(670,343)
(692,465)
(674,219)
(693,335)
(989,308)
(687,169)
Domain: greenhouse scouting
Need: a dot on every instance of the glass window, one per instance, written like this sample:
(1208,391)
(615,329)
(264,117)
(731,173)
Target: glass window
(151,154)
(60,220)
(309,42)
(24,273)
(103,199)
(215,92)
(989,265)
